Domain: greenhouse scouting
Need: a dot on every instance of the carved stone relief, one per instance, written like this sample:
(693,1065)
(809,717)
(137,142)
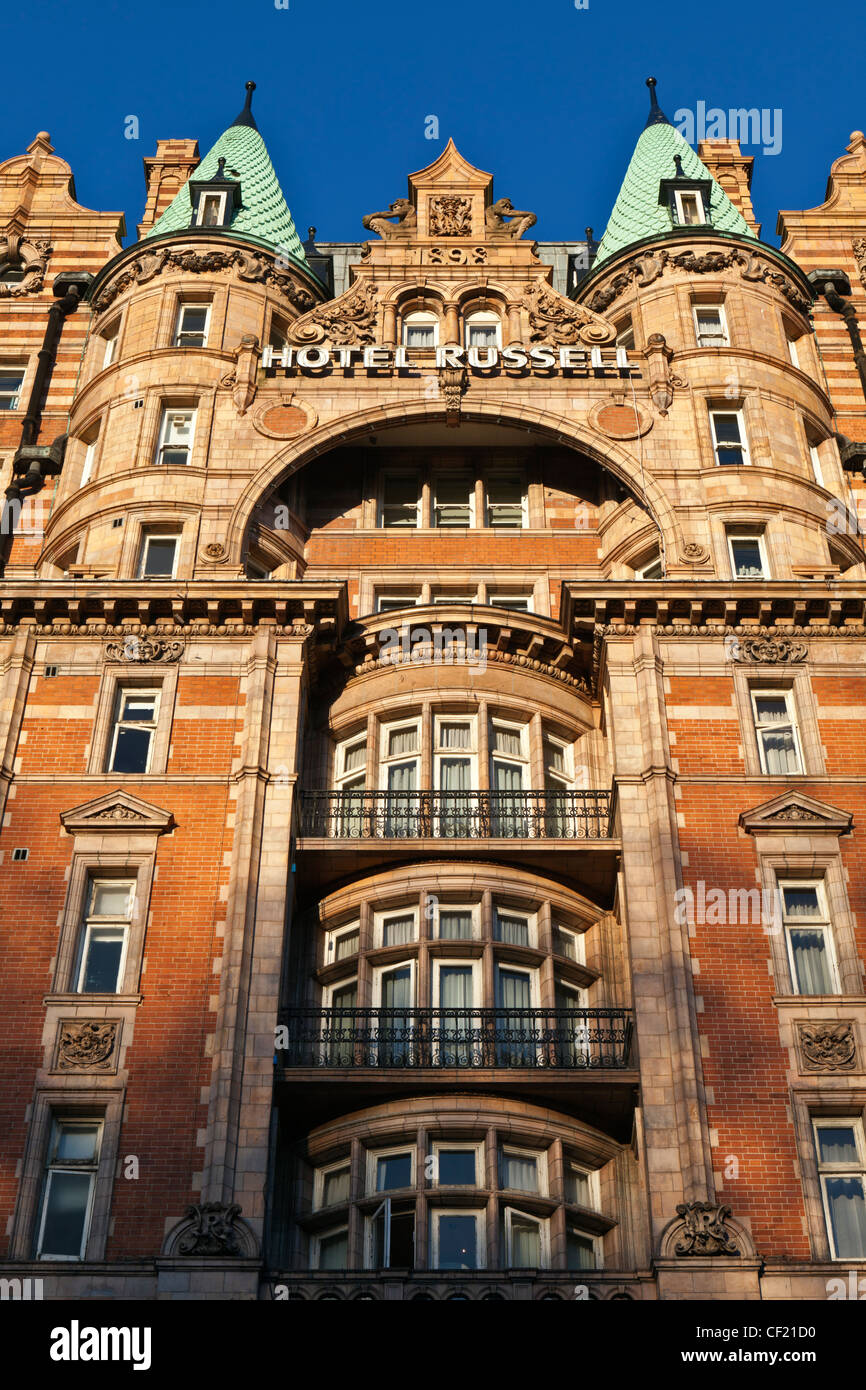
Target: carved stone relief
(86,1044)
(29,257)
(450,216)
(825,1045)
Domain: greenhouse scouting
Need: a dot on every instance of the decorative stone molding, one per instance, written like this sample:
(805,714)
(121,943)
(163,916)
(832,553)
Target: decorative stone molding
(31,257)
(349,321)
(662,380)
(425,653)
(248,265)
(619,420)
(453,384)
(116,810)
(858,246)
(557,322)
(702,1230)
(694,554)
(770,650)
(798,810)
(825,1045)
(644,269)
(212,1229)
(213,554)
(450,215)
(285,418)
(141,649)
(86,1044)
(243,379)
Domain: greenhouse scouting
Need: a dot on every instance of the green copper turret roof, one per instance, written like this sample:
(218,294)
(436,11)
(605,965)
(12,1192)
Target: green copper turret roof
(264,214)
(637,212)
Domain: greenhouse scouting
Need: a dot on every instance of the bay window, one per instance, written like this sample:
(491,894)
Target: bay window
(457,1239)
(526,1240)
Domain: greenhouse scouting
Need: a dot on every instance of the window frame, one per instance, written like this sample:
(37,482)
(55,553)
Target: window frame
(520,478)
(117,723)
(474,910)
(642,571)
(332,937)
(51,1166)
(476,1146)
(426,318)
(543,1224)
(91,923)
(381,916)
(774,692)
(531,926)
(372,1164)
(825,1170)
(144,546)
(206,196)
(487,318)
(436,481)
(680,194)
(388,968)
(520,1151)
(718,308)
(592,1181)
(319,1176)
(408,473)
(480,1216)
(578,938)
(13,370)
(162,444)
(743,445)
(316,1247)
(733,536)
(182,306)
(824,921)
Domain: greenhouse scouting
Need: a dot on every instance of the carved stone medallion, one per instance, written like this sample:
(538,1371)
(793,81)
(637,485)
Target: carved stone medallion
(825,1045)
(86,1044)
(450,216)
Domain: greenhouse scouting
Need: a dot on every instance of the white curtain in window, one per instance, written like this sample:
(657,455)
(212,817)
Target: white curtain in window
(513,930)
(402,777)
(525,1244)
(845,1198)
(513,990)
(455,926)
(398,930)
(507,741)
(455,987)
(402,741)
(811,962)
(520,1171)
(454,774)
(455,736)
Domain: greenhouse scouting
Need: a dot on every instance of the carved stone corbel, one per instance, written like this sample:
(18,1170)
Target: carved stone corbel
(243,380)
(453,383)
(661,379)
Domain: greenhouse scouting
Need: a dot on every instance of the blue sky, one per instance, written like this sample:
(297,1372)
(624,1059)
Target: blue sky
(547,97)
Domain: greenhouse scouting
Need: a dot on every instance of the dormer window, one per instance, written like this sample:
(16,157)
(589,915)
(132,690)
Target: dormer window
(690,209)
(687,199)
(211,210)
(215,200)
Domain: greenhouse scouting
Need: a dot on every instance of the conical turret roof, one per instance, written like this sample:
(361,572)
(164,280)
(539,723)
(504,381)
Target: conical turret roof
(637,213)
(264,214)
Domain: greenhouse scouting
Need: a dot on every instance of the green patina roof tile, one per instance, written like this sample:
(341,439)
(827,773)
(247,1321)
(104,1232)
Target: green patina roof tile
(264,214)
(637,212)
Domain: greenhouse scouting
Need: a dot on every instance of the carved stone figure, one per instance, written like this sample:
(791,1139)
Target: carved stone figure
(380,222)
(28,257)
(450,216)
(766,649)
(858,246)
(135,648)
(497,225)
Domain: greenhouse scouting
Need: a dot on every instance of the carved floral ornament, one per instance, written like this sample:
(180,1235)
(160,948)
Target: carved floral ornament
(141,649)
(859,248)
(558,322)
(450,215)
(212,1229)
(646,268)
(86,1044)
(348,321)
(827,1045)
(29,257)
(772,651)
(249,266)
(704,1230)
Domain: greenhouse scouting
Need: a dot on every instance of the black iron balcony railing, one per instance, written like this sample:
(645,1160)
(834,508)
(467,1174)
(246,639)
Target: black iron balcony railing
(426,1039)
(470,815)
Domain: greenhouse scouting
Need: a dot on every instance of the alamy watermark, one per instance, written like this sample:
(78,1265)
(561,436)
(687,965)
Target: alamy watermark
(717,907)
(749,125)
(448,646)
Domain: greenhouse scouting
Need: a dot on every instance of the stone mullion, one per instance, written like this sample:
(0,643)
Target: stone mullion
(677,1151)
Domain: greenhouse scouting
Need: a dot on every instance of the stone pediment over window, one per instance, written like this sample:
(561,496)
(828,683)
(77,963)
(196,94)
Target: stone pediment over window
(792,811)
(117,810)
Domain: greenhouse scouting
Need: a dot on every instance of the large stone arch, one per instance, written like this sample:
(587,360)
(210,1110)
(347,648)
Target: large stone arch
(559,429)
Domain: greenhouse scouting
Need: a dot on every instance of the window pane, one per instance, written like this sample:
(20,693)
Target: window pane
(193,319)
(505,502)
(131,751)
(401,1254)
(453,501)
(458,1242)
(66,1197)
(801,902)
(159,558)
(402,741)
(101,967)
(455,926)
(395,1170)
(771,710)
(396,931)
(747,559)
(554,757)
(525,1243)
(506,741)
(356,756)
(455,736)
(565,944)
(335,1187)
(110,900)
(482,335)
(581,1254)
(837,1144)
(345,996)
(334,1251)
(457,1167)
(400,501)
(576,1187)
(76,1143)
(811,963)
(520,1171)
(138,707)
(845,1198)
(347,945)
(513,930)
(420,335)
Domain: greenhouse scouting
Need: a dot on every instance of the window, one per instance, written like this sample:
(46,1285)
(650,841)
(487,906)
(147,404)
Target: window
(400,500)
(342,943)
(711,328)
(67,1196)
(175,436)
(689,207)
(421,329)
(350,778)
(158,557)
(729,440)
(391,1237)
(211,210)
(89,460)
(776,730)
(338,1026)
(110,338)
(506,502)
(522,1171)
(520,603)
(842,1171)
(397,928)
(391,603)
(815,459)
(11,381)
(278,337)
(525,1240)
(456,924)
(569,944)
(579,1186)
(483,329)
(192,325)
(580,1249)
(394,997)
(625,332)
(512,929)
(651,569)
(104,936)
(331,1185)
(134,729)
(454,500)
(331,1249)
(456,1165)
(809,938)
(748,560)
(390,1169)
(445,596)
(457,1239)
(509,769)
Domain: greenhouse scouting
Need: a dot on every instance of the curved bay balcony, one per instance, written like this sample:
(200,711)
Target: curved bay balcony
(465,815)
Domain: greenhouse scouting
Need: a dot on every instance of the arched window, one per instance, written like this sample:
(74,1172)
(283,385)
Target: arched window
(421,329)
(483,328)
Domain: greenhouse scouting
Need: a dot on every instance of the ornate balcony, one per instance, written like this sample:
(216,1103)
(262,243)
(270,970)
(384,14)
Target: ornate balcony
(469,815)
(411,1039)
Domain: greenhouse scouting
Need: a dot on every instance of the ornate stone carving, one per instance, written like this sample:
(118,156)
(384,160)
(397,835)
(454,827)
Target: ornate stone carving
(556,320)
(379,222)
(118,812)
(502,220)
(243,380)
(453,383)
(135,648)
(214,553)
(797,814)
(827,1046)
(249,266)
(661,379)
(30,257)
(450,216)
(212,1229)
(858,246)
(86,1044)
(772,650)
(648,267)
(694,554)
(704,1231)
(347,321)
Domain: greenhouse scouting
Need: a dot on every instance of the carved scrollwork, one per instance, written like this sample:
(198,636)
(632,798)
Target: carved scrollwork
(212,1229)
(347,321)
(648,267)
(827,1045)
(769,650)
(694,554)
(557,321)
(28,257)
(704,1230)
(450,216)
(249,267)
(453,383)
(86,1044)
(135,648)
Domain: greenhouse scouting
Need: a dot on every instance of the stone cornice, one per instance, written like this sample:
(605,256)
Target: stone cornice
(716,608)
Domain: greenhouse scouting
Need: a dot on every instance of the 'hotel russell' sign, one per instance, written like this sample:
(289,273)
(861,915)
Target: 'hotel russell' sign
(571,361)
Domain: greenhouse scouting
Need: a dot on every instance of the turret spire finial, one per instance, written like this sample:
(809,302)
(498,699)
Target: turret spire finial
(656,115)
(246,116)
